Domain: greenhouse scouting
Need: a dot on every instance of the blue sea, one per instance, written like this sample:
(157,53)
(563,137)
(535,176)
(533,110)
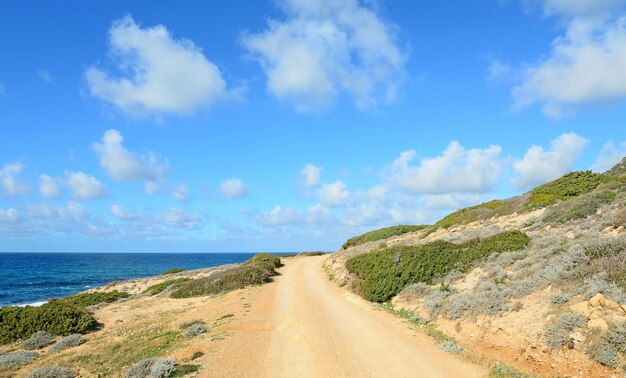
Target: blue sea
(33,278)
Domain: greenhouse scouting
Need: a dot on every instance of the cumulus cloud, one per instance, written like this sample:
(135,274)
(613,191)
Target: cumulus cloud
(9,216)
(85,187)
(180,192)
(49,187)
(585,66)
(45,76)
(120,212)
(609,156)
(43,218)
(325,48)
(233,188)
(159,74)
(456,170)
(311,175)
(540,166)
(177,217)
(333,195)
(124,165)
(9,182)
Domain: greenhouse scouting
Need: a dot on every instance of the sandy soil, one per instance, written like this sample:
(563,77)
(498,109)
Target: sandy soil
(300,325)
(311,328)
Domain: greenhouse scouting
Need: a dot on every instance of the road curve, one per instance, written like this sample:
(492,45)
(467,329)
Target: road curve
(306,326)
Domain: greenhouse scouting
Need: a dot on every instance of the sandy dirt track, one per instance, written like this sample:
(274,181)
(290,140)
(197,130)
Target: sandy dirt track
(305,326)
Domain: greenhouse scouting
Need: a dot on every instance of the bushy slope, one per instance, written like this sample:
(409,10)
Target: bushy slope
(383,233)
(384,273)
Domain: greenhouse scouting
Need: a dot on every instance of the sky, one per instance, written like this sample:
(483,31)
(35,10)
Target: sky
(290,125)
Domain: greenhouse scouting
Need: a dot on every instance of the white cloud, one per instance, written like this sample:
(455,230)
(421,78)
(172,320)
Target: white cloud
(176,217)
(540,166)
(45,76)
(160,74)
(49,187)
(333,195)
(456,170)
(124,165)
(585,65)
(233,188)
(85,187)
(122,213)
(609,156)
(9,216)
(324,48)
(311,175)
(180,192)
(9,182)
(498,70)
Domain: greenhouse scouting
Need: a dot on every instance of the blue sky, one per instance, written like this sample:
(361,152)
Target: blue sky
(289,125)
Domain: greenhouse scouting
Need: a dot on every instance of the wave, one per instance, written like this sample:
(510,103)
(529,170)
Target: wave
(34,304)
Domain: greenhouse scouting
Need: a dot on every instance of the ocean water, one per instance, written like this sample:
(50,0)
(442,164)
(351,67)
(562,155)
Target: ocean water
(33,278)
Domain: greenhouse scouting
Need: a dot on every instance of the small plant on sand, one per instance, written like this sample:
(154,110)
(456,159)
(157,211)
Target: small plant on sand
(559,298)
(70,341)
(51,372)
(17,359)
(572,320)
(152,368)
(195,329)
(450,346)
(600,350)
(38,340)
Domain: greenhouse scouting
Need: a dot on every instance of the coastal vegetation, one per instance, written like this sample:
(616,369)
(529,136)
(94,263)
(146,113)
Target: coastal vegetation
(160,287)
(94,298)
(173,271)
(383,233)
(382,274)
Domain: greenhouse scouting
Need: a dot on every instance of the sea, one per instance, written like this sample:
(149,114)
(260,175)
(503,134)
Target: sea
(34,278)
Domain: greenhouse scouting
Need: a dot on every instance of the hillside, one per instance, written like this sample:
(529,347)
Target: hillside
(537,281)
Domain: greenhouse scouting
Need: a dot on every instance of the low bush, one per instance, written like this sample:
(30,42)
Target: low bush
(315,253)
(559,298)
(173,271)
(572,320)
(196,329)
(450,346)
(481,212)
(57,317)
(160,287)
(92,299)
(616,337)
(380,278)
(578,208)
(152,368)
(51,372)
(600,350)
(502,370)
(556,337)
(38,340)
(569,186)
(266,261)
(599,284)
(17,359)
(70,341)
(383,233)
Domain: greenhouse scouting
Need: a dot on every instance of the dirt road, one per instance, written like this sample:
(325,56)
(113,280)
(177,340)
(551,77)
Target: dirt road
(305,326)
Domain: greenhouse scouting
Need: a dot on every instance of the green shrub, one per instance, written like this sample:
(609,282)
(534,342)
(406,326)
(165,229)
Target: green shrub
(158,288)
(173,271)
(579,208)
(237,278)
(91,299)
(383,233)
(254,271)
(380,278)
(450,346)
(315,253)
(57,317)
(265,260)
(571,185)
